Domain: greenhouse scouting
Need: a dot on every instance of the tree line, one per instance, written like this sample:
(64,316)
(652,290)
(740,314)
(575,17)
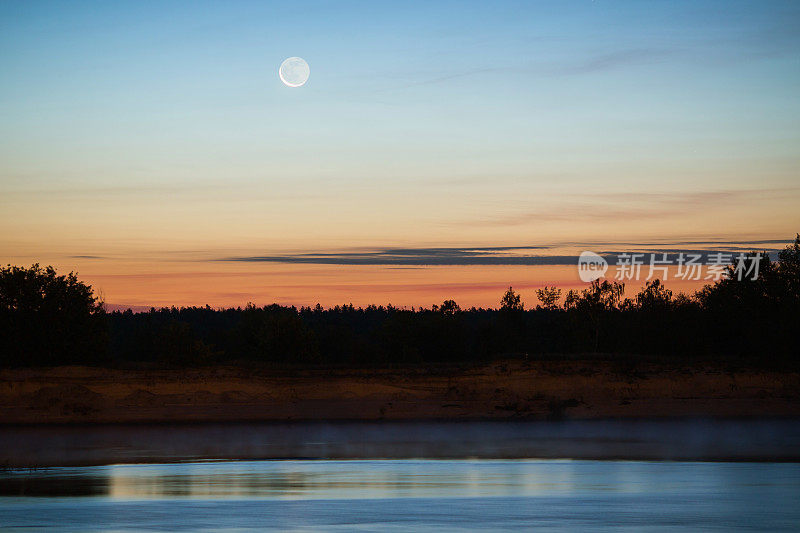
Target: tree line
(50,319)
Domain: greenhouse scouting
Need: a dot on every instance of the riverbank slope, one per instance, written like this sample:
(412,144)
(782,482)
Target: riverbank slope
(549,389)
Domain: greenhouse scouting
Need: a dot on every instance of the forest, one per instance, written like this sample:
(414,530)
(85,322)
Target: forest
(47,319)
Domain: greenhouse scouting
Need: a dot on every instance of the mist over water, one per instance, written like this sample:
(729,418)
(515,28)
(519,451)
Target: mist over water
(368,476)
(676,439)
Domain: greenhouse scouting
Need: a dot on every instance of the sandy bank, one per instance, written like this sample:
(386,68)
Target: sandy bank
(512,390)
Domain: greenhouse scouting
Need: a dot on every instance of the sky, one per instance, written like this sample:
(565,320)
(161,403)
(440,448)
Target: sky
(152,148)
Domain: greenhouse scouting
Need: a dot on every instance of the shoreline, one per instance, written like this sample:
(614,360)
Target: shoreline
(702,440)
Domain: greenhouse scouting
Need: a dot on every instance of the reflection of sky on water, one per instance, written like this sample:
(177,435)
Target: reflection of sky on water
(360,479)
(402,495)
(338,479)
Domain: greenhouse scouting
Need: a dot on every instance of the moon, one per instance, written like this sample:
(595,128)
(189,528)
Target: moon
(294,72)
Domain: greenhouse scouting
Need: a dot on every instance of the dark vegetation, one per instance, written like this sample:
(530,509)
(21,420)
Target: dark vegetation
(47,319)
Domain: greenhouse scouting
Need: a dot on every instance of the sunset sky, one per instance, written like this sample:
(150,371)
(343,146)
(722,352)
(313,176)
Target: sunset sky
(152,147)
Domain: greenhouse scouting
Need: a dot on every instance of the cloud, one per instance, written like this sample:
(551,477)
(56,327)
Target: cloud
(632,205)
(499,255)
(616,59)
(591,64)
(494,255)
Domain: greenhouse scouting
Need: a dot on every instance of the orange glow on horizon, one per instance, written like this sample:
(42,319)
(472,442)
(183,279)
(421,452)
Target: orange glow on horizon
(306,285)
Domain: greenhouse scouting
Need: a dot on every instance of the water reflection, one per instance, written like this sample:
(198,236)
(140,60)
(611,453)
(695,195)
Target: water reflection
(328,480)
(20,484)
(405,494)
(353,479)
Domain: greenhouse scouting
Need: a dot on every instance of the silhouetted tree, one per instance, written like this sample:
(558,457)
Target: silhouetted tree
(571,299)
(756,304)
(275,333)
(511,301)
(654,296)
(739,287)
(549,296)
(175,344)
(449,307)
(788,271)
(47,319)
(595,302)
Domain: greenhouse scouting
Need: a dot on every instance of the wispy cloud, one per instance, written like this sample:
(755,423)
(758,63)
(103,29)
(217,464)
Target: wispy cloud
(504,255)
(613,60)
(579,66)
(496,255)
(631,206)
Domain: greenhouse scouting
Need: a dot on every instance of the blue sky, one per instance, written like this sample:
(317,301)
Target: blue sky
(443,87)
(423,124)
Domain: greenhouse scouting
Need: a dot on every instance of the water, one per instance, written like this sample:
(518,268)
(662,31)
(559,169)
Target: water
(398,495)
